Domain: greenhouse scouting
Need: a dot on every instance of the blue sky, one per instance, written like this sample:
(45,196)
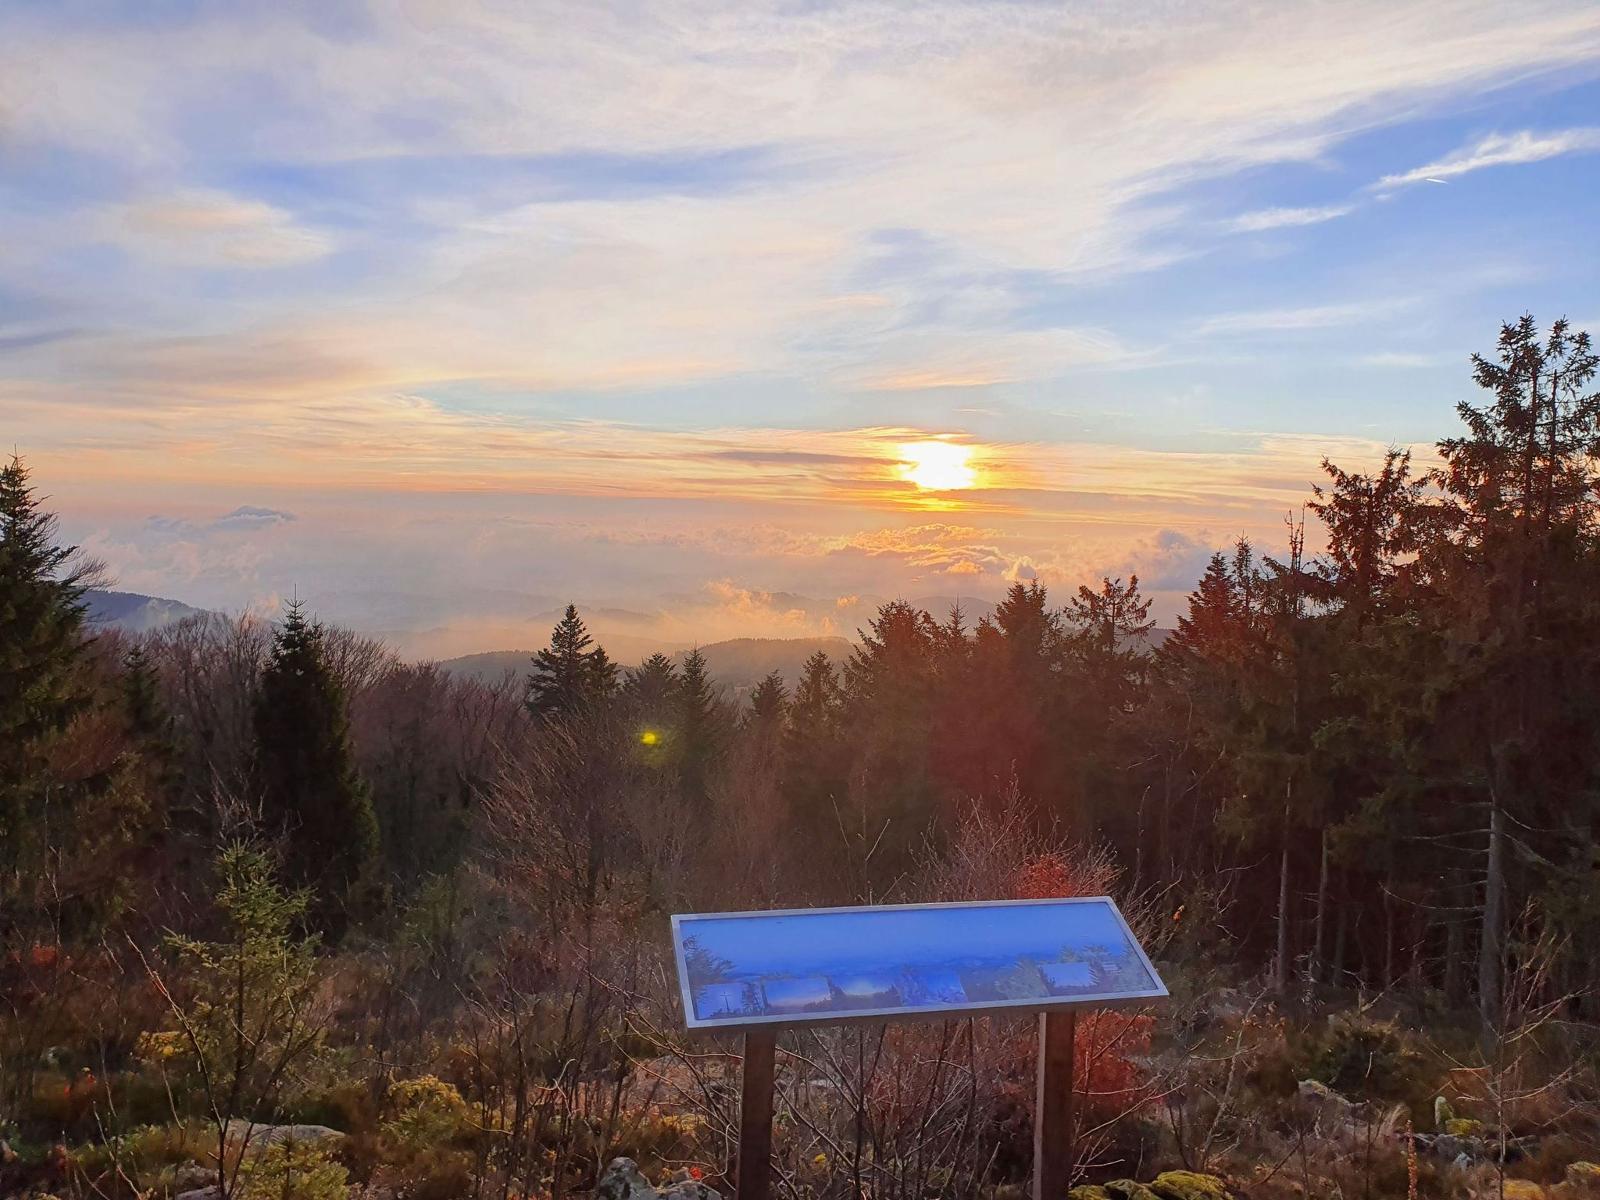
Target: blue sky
(642,304)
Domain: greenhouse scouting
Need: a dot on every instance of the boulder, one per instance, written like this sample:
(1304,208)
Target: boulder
(1088,1191)
(1128,1189)
(212,1192)
(191,1176)
(622,1180)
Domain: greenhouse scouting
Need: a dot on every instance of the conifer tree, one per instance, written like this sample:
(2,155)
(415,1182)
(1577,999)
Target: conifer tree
(701,728)
(568,675)
(311,792)
(650,689)
(42,686)
(768,700)
(814,752)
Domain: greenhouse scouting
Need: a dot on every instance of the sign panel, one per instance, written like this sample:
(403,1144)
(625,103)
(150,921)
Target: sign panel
(908,961)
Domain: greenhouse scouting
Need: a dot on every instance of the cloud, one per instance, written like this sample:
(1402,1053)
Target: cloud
(1286,218)
(1399,358)
(1288,320)
(1498,150)
(203,228)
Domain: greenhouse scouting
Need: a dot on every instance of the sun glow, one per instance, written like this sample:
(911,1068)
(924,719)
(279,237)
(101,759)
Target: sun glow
(938,466)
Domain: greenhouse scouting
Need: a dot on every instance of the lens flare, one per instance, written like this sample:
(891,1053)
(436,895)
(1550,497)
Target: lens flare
(938,466)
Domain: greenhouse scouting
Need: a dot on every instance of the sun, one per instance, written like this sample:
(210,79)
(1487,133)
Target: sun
(938,466)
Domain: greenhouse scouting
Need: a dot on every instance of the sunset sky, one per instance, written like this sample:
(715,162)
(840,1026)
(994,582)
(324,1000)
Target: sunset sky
(442,315)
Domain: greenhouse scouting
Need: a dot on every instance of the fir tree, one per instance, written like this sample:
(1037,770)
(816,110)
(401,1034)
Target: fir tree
(568,675)
(311,792)
(42,685)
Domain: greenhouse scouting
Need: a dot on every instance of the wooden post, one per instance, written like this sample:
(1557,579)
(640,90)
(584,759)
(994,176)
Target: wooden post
(1053,1150)
(753,1169)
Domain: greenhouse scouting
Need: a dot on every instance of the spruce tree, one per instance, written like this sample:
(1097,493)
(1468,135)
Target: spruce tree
(768,700)
(311,792)
(814,752)
(701,728)
(650,689)
(42,685)
(568,675)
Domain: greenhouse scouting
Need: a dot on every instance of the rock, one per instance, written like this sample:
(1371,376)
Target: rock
(1189,1185)
(1088,1191)
(623,1181)
(1522,1189)
(1447,1147)
(1323,1097)
(191,1176)
(206,1193)
(1462,1127)
(1128,1189)
(684,1186)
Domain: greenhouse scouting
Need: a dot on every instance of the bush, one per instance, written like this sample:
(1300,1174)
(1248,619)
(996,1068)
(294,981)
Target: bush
(292,1171)
(1358,1057)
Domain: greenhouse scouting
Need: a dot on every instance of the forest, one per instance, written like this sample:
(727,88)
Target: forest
(282,915)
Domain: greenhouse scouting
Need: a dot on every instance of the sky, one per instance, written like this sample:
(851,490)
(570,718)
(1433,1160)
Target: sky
(735,319)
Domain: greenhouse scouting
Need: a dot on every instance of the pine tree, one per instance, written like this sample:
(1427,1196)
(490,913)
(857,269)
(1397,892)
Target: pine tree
(42,685)
(311,792)
(567,675)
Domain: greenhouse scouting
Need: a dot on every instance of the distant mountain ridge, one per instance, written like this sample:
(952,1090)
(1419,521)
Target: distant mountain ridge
(135,613)
(737,664)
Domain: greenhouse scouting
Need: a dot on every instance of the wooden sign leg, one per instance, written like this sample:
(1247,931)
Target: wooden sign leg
(753,1170)
(1052,1120)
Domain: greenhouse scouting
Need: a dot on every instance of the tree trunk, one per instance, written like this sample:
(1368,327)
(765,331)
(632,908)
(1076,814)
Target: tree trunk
(1317,972)
(1491,947)
(1455,946)
(1280,980)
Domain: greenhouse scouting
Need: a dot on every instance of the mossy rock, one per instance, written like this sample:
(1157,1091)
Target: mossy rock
(1583,1174)
(1188,1185)
(1463,1127)
(1128,1189)
(1523,1189)
(1088,1191)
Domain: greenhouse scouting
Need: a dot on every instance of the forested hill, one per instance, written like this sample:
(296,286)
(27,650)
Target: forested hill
(737,664)
(133,613)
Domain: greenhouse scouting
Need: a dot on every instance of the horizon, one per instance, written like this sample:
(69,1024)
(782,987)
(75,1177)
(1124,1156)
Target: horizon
(741,318)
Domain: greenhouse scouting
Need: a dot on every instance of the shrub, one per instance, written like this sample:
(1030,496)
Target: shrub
(292,1171)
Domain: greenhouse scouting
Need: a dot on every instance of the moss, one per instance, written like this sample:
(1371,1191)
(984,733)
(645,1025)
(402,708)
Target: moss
(1522,1189)
(1127,1189)
(1088,1191)
(1583,1178)
(1463,1127)
(1188,1185)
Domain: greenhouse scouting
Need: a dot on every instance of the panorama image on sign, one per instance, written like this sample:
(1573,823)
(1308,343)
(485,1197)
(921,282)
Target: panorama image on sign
(831,964)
